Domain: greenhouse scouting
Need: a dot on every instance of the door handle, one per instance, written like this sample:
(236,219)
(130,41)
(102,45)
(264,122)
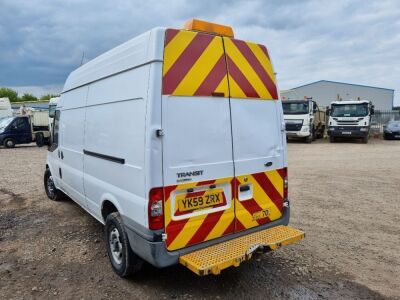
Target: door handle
(268,164)
(244,188)
(62,155)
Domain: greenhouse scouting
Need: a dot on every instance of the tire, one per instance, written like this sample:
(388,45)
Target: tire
(123,261)
(309,139)
(365,140)
(40,139)
(321,132)
(332,139)
(52,192)
(9,143)
(313,134)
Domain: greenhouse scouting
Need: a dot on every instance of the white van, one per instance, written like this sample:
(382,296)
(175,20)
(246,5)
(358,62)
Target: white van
(5,108)
(175,140)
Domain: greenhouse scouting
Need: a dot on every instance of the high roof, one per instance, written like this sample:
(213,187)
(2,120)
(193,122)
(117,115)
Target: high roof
(136,52)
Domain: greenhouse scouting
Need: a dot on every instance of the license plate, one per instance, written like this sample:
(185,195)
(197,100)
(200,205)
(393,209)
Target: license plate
(200,200)
(346,132)
(260,214)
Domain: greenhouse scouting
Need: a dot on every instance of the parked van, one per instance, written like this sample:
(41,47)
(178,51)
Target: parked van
(175,140)
(5,108)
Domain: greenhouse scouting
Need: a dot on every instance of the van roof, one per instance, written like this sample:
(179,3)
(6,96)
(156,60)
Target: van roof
(143,49)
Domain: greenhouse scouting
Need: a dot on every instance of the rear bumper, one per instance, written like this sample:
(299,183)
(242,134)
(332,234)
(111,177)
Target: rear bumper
(351,132)
(153,250)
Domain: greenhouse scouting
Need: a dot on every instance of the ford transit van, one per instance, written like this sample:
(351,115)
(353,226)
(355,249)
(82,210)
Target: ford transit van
(175,141)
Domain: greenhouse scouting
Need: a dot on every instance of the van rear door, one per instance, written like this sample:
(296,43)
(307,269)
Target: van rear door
(197,142)
(257,137)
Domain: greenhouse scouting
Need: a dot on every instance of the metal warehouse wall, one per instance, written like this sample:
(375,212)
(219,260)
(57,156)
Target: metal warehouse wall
(324,92)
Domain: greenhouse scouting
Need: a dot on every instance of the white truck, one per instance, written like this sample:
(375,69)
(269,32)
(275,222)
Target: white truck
(5,108)
(350,119)
(304,119)
(180,166)
(52,110)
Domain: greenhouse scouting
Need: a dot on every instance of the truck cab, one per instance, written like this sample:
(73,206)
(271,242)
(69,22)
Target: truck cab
(52,110)
(350,119)
(304,119)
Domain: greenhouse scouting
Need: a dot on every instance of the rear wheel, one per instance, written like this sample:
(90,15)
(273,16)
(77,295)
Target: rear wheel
(9,143)
(40,141)
(123,260)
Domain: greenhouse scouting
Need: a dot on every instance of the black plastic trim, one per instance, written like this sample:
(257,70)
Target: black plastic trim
(106,157)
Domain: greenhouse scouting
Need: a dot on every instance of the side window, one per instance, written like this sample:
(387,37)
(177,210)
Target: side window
(21,123)
(55,133)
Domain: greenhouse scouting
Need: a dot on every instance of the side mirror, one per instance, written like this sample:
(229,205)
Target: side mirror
(328,111)
(372,110)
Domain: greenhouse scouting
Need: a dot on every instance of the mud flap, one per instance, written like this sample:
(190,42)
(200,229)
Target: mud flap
(213,259)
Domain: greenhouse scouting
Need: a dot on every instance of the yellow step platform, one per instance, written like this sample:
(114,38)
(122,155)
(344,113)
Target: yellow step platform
(231,253)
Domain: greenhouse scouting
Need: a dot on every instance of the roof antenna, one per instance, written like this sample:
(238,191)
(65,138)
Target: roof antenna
(83,57)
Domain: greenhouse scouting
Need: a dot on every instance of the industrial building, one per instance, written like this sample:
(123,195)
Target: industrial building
(324,92)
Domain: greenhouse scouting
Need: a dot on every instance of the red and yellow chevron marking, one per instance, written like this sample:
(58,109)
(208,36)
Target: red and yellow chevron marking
(190,231)
(267,195)
(250,70)
(194,64)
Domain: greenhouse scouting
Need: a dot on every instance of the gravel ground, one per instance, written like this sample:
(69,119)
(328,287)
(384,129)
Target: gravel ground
(345,196)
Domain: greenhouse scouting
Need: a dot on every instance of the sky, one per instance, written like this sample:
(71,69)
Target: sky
(42,41)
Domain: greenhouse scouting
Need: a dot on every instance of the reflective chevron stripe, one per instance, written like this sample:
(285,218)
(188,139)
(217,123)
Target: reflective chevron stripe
(199,64)
(183,232)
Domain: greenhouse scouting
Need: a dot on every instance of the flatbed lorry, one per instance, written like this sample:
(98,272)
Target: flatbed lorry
(25,129)
(304,119)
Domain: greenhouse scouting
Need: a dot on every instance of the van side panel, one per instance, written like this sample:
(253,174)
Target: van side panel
(115,127)
(71,141)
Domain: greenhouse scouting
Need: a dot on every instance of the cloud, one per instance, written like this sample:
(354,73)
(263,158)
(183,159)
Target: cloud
(351,41)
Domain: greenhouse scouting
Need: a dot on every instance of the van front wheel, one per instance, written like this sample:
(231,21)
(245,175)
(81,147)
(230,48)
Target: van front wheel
(122,258)
(51,191)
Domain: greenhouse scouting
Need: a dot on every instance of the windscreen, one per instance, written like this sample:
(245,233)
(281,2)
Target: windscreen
(295,108)
(349,110)
(393,125)
(4,122)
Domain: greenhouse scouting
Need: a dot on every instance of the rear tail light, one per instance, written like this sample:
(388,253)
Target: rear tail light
(285,187)
(156,209)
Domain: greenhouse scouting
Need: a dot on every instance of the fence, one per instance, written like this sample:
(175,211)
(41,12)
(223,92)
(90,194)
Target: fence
(382,117)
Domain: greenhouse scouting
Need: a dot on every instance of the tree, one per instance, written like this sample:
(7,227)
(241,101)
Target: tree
(9,93)
(28,97)
(47,97)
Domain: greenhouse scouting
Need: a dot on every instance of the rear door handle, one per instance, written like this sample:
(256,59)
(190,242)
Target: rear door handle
(244,188)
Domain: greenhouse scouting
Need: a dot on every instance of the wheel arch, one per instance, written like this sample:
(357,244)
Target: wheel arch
(109,204)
